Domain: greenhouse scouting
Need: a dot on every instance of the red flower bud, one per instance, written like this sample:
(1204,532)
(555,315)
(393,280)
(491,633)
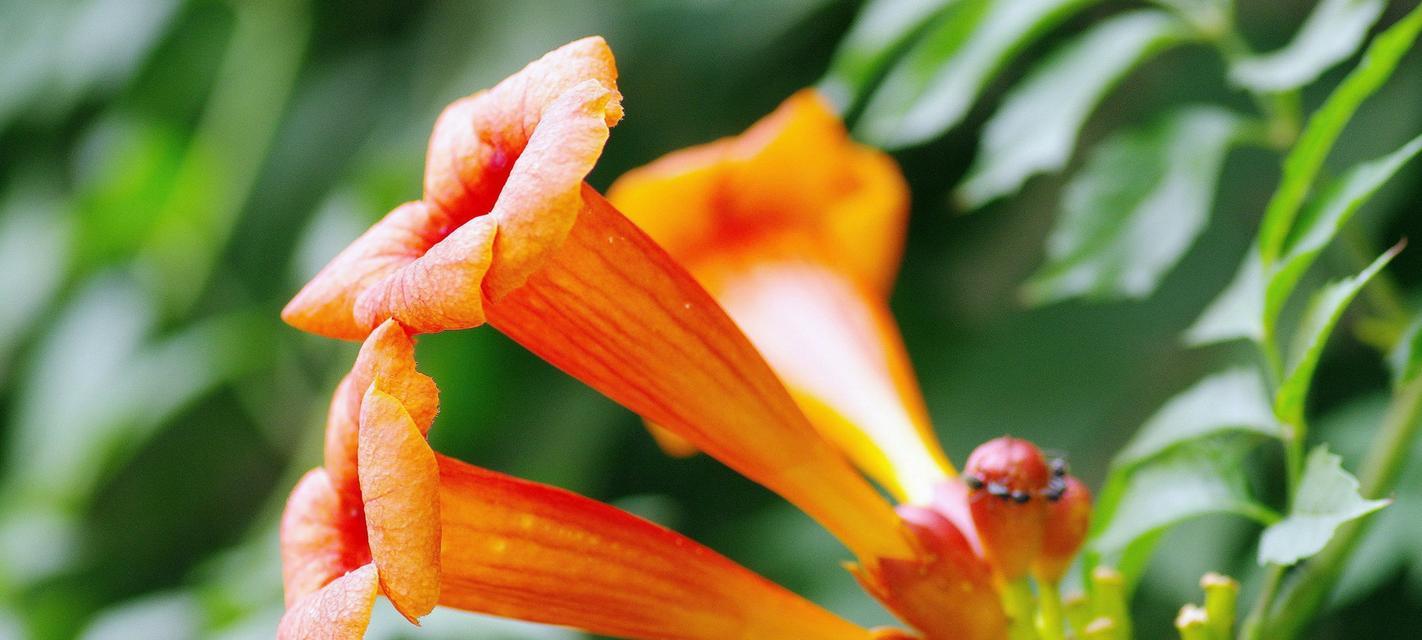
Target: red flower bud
(946,592)
(1068,517)
(1008,481)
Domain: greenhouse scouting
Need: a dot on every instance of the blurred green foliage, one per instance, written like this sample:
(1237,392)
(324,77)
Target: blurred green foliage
(172,170)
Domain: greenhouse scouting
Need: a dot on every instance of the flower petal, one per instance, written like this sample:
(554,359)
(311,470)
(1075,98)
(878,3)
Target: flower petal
(388,355)
(613,310)
(795,173)
(399,482)
(518,151)
(518,549)
(797,231)
(322,536)
(948,593)
(339,611)
(838,350)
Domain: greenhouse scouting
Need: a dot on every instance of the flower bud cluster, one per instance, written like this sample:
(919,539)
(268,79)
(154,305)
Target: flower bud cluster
(1030,515)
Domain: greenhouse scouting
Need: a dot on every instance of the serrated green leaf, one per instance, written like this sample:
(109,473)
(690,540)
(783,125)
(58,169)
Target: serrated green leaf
(1406,358)
(1235,401)
(881,30)
(1238,312)
(1324,216)
(1305,159)
(1326,498)
(932,86)
(1036,128)
(1136,207)
(1322,315)
(1332,32)
(1197,479)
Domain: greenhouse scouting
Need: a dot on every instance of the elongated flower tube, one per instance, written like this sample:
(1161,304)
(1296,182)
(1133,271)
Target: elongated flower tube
(797,231)
(508,233)
(424,529)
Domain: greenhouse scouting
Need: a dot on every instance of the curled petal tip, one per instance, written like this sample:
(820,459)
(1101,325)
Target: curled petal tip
(399,482)
(338,611)
(322,536)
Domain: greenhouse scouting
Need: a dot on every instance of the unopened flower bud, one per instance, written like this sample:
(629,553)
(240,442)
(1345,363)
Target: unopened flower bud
(1008,481)
(1068,517)
(946,592)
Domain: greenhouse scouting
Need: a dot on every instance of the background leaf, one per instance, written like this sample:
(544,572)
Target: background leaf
(1201,478)
(1238,312)
(1322,315)
(1306,157)
(1136,207)
(1035,129)
(1230,402)
(1324,217)
(1327,497)
(880,31)
(931,88)
(1330,34)
(1405,360)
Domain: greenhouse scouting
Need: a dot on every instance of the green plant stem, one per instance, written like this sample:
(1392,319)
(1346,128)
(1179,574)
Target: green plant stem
(1380,472)
(1049,612)
(1254,623)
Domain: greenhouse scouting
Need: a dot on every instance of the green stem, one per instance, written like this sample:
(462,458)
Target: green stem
(1253,628)
(1049,612)
(1380,472)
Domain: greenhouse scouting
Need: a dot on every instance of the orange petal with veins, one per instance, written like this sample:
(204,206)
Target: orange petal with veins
(326,305)
(322,536)
(399,482)
(339,611)
(612,309)
(501,191)
(518,549)
(388,354)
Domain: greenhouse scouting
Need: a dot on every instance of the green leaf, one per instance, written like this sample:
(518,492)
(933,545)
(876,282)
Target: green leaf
(1238,312)
(1136,207)
(1327,498)
(1196,479)
(880,32)
(1236,401)
(1322,315)
(1036,128)
(932,86)
(1306,158)
(1324,216)
(1332,32)
(1406,358)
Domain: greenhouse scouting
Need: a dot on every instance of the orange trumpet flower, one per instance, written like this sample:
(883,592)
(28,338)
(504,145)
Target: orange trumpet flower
(424,529)
(508,233)
(798,231)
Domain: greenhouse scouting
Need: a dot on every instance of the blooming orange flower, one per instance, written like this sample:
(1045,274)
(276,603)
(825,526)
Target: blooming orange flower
(798,231)
(508,234)
(423,529)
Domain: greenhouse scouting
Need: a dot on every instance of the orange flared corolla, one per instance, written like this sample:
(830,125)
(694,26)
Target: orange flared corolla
(508,232)
(797,231)
(424,529)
